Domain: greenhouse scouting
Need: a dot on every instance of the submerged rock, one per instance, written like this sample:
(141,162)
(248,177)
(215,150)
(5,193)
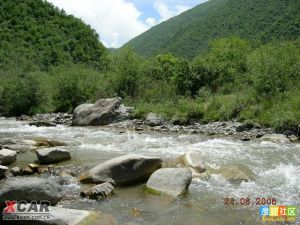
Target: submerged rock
(64,216)
(124,170)
(101,190)
(154,119)
(103,112)
(276,138)
(21,146)
(169,181)
(7,156)
(52,155)
(236,172)
(29,189)
(3,170)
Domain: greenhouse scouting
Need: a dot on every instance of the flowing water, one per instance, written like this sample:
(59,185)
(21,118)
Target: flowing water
(276,168)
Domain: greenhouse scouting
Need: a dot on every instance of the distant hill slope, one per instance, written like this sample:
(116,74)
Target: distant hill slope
(191,32)
(35,33)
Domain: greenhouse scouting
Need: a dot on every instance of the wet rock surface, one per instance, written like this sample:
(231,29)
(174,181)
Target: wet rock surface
(24,145)
(29,189)
(52,155)
(99,191)
(7,156)
(169,181)
(124,170)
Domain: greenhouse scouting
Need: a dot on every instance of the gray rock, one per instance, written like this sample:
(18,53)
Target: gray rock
(276,138)
(244,127)
(3,170)
(30,188)
(52,155)
(64,216)
(236,172)
(103,112)
(194,160)
(7,156)
(123,170)
(169,181)
(101,190)
(153,120)
(293,138)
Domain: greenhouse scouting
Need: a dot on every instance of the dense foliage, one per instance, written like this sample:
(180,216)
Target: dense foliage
(191,33)
(234,79)
(35,34)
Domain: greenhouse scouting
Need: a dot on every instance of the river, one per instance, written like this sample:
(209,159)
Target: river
(276,168)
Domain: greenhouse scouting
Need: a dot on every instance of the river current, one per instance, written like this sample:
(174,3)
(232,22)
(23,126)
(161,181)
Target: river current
(276,168)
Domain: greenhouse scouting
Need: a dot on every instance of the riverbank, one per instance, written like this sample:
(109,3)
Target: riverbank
(234,129)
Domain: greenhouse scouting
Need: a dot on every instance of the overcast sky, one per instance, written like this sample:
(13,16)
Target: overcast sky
(118,21)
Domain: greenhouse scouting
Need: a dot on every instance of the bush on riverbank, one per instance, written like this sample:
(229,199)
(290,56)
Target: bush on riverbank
(234,80)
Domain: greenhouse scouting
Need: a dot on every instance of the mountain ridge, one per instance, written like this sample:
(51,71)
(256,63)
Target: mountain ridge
(191,32)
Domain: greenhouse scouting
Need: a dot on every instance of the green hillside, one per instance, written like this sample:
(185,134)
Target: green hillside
(33,33)
(191,33)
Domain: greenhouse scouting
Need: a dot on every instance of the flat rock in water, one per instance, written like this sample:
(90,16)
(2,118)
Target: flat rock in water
(29,189)
(276,138)
(124,170)
(52,155)
(169,181)
(7,156)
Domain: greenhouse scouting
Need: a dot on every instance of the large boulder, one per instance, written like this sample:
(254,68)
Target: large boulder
(3,170)
(236,172)
(124,170)
(276,138)
(153,120)
(169,181)
(64,216)
(7,156)
(103,112)
(52,155)
(30,188)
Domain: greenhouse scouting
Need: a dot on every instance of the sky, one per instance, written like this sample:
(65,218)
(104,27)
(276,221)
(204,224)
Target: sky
(118,21)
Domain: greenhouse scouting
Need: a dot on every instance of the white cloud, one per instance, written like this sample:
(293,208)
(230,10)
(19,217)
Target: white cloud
(116,21)
(166,12)
(151,21)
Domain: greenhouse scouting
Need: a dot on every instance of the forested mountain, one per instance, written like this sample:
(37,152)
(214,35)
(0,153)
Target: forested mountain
(191,33)
(33,33)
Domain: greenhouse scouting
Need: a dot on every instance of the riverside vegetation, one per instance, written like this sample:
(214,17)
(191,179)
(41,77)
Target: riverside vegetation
(63,66)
